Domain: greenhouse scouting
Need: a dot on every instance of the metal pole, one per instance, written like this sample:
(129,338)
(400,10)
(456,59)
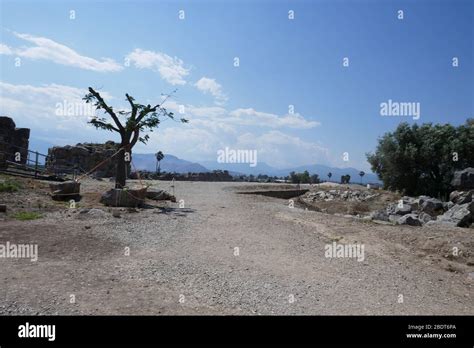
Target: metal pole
(36,164)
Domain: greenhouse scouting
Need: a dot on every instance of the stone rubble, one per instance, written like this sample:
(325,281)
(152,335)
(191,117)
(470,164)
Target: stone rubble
(342,195)
(424,210)
(428,210)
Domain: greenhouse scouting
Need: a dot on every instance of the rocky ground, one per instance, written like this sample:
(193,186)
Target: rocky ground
(218,252)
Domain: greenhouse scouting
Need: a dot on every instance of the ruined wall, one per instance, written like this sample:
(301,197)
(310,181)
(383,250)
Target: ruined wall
(63,159)
(12,140)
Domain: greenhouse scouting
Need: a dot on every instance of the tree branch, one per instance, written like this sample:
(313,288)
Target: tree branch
(107,108)
(134,140)
(100,124)
(133,105)
(146,111)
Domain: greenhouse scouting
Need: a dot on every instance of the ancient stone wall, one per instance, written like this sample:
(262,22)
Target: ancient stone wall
(12,140)
(84,157)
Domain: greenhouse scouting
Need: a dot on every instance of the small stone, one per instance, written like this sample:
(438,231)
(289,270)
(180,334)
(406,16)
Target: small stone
(432,206)
(116,213)
(410,219)
(403,210)
(460,215)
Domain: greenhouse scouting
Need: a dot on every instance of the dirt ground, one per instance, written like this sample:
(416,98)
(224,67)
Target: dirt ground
(223,253)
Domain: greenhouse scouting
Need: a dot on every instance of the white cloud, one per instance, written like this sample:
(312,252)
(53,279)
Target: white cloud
(170,69)
(197,111)
(208,85)
(195,143)
(4,49)
(185,141)
(242,117)
(213,128)
(210,128)
(48,49)
(56,91)
(250,116)
(46,107)
(283,150)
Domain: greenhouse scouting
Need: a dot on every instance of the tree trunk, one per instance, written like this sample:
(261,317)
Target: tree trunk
(121,169)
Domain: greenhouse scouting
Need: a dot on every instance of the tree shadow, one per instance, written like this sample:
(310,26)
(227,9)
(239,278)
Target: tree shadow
(175,211)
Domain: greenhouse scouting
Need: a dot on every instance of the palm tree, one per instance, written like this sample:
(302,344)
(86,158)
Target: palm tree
(159,156)
(361,173)
(329,176)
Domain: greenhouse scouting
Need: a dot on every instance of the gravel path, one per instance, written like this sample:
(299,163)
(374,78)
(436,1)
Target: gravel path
(185,261)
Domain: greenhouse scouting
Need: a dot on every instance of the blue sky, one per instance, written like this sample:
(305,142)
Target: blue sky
(143,48)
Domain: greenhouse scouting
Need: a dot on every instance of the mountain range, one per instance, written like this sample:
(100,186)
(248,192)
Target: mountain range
(172,163)
(169,163)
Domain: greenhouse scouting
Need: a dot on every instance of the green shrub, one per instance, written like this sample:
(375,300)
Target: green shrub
(27,215)
(9,186)
(421,159)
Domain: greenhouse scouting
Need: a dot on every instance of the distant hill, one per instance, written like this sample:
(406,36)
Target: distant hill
(321,170)
(169,163)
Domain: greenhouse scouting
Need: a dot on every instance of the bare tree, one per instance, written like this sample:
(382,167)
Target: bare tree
(140,119)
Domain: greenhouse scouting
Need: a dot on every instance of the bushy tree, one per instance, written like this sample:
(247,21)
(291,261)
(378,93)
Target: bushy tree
(293,178)
(345,179)
(304,177)
(422,159)
(300,178)
(315,179)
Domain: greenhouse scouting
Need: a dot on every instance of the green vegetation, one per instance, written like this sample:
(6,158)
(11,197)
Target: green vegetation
(27,215)
(345,179)
(303,178)
(422,159)
(9,186)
